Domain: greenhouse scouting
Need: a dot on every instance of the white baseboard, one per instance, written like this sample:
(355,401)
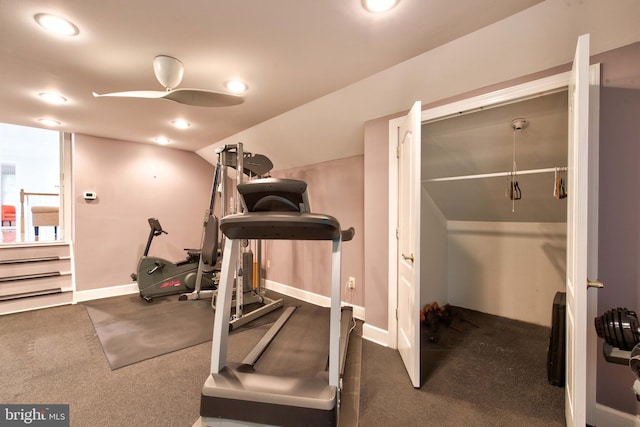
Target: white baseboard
(375,334)
(20,305)
(310,297)
(111,291)
(609,417)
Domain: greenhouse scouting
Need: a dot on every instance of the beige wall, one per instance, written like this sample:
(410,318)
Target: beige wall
(508,269)
(335,188)
(133,182)
(434,260)
(619,215)
(376,221)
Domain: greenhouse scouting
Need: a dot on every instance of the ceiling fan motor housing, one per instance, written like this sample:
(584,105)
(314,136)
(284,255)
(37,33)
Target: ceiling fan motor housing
(168,70)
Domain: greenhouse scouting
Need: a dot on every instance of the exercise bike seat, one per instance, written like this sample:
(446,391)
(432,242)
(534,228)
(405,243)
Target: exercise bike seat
(193,255)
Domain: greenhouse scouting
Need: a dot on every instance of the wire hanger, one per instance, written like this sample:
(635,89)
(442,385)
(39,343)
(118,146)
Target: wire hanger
(559,184)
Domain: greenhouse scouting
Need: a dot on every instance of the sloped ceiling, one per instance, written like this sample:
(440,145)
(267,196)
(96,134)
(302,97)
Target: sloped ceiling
(483,143)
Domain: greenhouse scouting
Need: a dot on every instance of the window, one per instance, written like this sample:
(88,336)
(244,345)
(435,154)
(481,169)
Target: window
(30,184)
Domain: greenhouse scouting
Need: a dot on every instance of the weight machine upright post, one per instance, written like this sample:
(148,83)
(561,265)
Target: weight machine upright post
(209,212)
(238,208)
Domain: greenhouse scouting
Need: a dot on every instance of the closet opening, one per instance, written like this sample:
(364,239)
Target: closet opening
(493,242)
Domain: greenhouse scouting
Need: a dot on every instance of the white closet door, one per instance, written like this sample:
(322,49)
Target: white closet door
(579,235)
(408,308)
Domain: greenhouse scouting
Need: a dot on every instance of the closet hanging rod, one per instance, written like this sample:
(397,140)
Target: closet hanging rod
(496,174)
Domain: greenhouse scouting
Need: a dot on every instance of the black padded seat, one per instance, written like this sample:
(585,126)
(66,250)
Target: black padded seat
(280,225)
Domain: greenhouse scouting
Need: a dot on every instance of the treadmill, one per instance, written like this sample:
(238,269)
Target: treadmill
(234,394)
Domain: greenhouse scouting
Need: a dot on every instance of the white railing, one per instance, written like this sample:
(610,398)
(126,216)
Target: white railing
(47,215)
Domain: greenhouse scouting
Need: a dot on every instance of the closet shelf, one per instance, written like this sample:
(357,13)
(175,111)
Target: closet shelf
(495,174)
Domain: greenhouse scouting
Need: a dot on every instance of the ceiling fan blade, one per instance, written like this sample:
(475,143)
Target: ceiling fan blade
(136,94)
(202,98)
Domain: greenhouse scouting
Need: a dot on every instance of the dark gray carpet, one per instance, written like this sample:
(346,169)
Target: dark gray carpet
(493,375)
(54,356)
(131,330)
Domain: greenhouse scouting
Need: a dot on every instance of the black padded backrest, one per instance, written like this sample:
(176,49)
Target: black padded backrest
(274,195)
(210,244)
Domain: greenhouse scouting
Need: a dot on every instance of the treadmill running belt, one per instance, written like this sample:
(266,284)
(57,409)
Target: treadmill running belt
(301,348)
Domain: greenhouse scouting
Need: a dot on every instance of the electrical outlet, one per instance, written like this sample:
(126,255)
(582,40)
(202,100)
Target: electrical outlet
(268,263)
(351,283)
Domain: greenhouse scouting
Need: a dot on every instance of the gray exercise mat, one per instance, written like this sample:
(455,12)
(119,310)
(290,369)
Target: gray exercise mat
(131,330)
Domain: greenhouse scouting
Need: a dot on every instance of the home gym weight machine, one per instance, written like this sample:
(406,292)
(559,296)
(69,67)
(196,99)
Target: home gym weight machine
(248,272)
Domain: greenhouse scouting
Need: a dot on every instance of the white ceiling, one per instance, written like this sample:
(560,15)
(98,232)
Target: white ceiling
(290,52)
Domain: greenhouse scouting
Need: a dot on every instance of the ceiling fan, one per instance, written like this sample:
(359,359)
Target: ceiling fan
(169,71)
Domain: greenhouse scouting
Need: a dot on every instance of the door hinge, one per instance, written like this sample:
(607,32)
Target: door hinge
(396,314)
(398,151)
(397,233)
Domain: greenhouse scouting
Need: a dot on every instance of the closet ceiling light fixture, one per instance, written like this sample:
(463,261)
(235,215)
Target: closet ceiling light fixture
(56,24)
(377,6)
(519,124)
(52,98)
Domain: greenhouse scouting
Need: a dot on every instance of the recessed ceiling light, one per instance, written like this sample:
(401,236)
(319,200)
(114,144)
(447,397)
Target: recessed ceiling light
(56,24)
(162,140)
(236,86)
(49,122)
(52,98)
(379,5)
(181,124)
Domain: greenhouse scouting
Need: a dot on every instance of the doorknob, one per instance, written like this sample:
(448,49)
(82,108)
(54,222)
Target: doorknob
(595,284)
(408,257)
